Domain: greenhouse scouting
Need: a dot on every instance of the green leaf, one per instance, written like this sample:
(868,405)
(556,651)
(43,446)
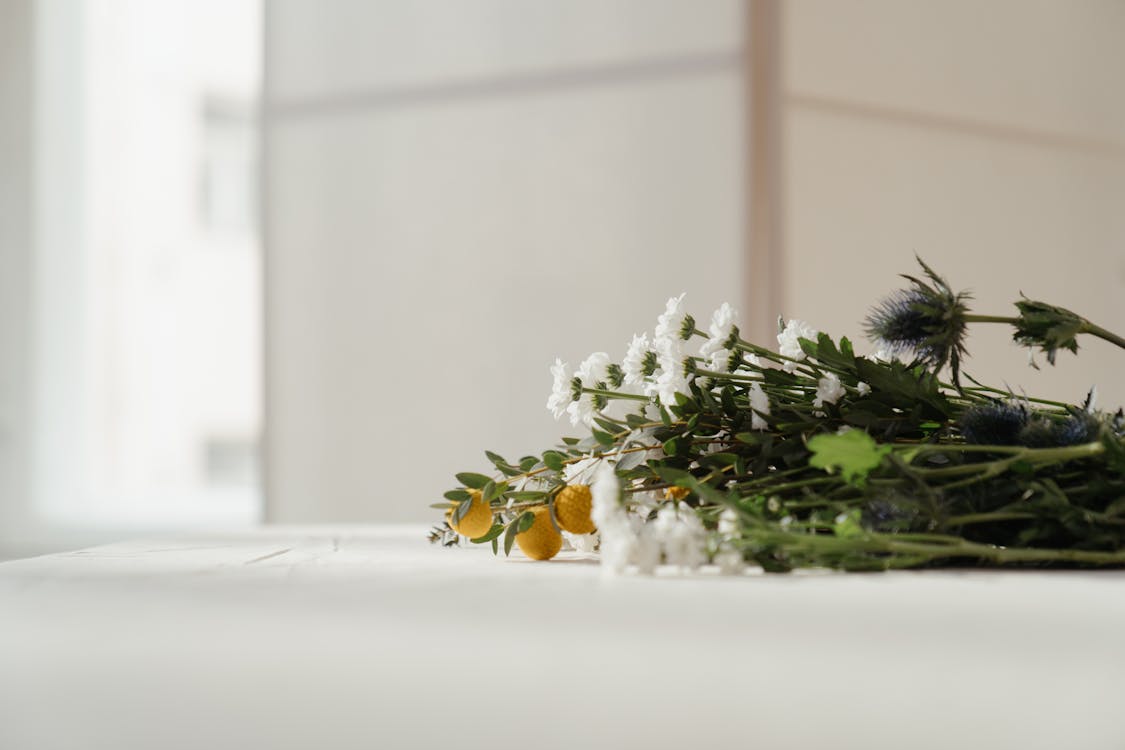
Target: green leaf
(673,446)
(502,464)
(458,496)
(525,521)
(827,353)
(603,438)
(441,506)
(553,460)
(635,420)
(519,495)
(608,426)
(854,453)
(472,480)
(671,475)
(847,525)
(730,407)
(489,535)
(510,536)
(492,490)
(495,546)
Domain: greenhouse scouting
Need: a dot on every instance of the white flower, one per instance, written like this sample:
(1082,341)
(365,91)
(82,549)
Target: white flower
(722,322)
(828,390)
(728,523)
(670,324)
(759,402)
(730,562)
(682,535)
(582,542)
(671,382)
(582,470)
(582,411)
(645,550)
(594,369)
(719,361)
(633,364)
(560,391)
(593,372)
(721,330)
(884,353)
(614,530)
(616,546)
(671,379)
(605,491)
(788,341)
(862,388)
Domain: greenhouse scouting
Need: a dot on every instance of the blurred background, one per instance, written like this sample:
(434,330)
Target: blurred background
(297,261)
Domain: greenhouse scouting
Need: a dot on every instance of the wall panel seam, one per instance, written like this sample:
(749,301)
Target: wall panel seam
(1041,138)
(537,83)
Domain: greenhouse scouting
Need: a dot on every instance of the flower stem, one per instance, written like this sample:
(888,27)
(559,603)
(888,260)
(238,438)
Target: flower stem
(971,318)
(1103,334)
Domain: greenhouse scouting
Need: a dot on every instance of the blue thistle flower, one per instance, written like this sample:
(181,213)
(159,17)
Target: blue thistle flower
(927,319)
(1039,433)
(993,423)
(1080,427)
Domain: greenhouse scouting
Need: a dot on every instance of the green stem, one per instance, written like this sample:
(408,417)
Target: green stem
(972,518)
(616,394)
(1101,333)
(1033,455)
(972,318)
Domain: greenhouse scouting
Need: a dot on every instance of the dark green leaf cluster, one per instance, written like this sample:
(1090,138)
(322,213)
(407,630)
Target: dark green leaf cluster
(1048,327)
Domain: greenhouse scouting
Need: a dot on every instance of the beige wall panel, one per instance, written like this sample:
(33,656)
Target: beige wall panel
(427,264)
(1043,65)
(347,46)
(996,218)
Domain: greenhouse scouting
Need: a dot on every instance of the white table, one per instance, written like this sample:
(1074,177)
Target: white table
(370,638)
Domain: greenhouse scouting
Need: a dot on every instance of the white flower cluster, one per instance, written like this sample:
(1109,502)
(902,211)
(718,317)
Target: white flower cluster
(789,342)
(722,331)
(657,367)
(675,537)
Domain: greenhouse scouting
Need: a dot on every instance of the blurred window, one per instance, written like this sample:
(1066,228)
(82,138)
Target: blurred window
(148,263)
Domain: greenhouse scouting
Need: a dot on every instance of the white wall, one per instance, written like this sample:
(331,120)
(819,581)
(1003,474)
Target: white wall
(456,194)
(988,137)
(15,257)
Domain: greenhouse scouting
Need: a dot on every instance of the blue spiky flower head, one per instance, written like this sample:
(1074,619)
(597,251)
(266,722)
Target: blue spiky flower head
(926,319)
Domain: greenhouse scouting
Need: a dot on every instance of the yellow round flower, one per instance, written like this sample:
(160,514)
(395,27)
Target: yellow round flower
(477,519)
(676,493)
(542,541)
(572,509)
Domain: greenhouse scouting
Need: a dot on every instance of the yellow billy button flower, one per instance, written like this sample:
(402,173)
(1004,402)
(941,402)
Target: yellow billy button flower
(676,493)
(572,509)
(477,519)
(542,541)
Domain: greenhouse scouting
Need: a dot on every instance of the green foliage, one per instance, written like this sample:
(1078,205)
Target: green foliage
(853,453)
(1047,327)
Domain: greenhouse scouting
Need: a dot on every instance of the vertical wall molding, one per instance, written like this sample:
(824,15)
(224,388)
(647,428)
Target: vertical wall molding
(763,294)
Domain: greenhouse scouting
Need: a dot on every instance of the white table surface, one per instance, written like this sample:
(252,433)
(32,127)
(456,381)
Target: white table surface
(370,638)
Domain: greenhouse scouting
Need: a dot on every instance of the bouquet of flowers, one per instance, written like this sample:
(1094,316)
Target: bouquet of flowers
(732,454)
